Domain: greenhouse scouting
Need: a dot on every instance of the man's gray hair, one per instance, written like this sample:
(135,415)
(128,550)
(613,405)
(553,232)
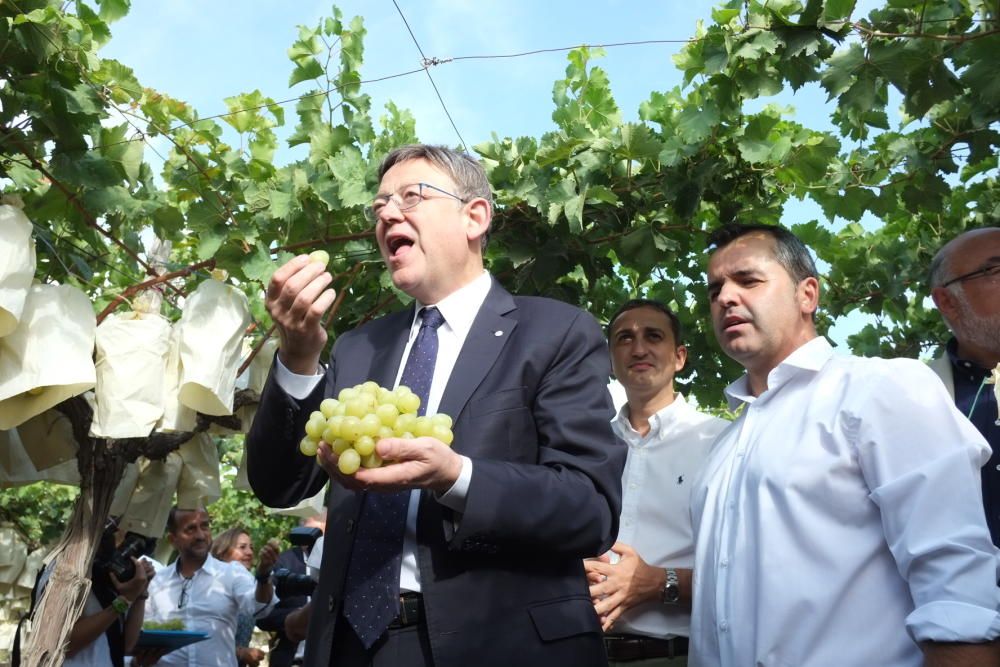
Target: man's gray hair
(468,175)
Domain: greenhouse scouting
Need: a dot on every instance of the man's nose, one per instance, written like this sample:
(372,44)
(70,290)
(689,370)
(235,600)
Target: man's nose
(390,212)
(728,294)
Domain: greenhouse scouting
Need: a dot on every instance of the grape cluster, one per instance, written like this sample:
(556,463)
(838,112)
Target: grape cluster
(360,416)
(173,624)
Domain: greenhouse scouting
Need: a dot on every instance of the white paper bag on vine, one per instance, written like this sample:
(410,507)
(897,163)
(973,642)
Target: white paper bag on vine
(48,358)
(41,449)
(17,266)
(211,333)
(132,352)
(176,415)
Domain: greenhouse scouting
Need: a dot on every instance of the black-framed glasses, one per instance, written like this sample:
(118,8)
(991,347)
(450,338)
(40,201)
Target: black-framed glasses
(988,271)
(405,198)
(184,593)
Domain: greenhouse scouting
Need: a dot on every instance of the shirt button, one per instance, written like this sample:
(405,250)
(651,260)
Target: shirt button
(633,485)
(350,526)
(724,562)
(724,626)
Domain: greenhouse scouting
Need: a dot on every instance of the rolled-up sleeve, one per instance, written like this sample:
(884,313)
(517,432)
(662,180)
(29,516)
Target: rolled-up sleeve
(924,475)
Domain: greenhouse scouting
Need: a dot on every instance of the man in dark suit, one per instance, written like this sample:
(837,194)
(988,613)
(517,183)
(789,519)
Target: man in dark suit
(488,570)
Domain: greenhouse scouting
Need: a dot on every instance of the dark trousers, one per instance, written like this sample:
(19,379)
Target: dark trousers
(398,647)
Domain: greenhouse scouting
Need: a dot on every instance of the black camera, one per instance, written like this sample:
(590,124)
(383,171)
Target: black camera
(119,563)
(289,584)
(304,537)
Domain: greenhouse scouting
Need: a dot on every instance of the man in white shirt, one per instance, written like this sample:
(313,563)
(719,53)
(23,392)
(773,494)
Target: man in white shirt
(838,521)
(205,593)
(642,587)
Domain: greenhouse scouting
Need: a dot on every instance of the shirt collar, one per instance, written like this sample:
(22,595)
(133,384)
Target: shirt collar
(659,422)
(460,308)
(966,366)
(809,357)
(212,566)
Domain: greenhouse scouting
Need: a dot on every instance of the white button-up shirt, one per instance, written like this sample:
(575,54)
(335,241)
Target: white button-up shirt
(212,598)
(839,520)
(656,517)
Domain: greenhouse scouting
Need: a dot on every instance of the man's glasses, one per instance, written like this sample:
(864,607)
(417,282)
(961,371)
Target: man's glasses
(406,198)
(184,593)
(989,271)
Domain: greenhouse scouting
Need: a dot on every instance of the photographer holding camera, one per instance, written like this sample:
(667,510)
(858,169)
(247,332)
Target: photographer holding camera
(293,588)
(112,617)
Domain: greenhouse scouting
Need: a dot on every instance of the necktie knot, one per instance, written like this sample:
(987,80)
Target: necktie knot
(430,316)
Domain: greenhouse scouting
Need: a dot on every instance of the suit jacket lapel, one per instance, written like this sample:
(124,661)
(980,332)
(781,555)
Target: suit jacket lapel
(489,334)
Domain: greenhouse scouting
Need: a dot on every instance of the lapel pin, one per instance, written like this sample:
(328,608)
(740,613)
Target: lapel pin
(497,333)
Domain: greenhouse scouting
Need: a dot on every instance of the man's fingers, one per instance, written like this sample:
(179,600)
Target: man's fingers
(284,272)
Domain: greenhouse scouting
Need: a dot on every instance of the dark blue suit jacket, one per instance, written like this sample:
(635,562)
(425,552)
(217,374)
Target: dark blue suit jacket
(503,583)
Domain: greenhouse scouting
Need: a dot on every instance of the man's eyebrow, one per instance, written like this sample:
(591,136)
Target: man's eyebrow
(739,273)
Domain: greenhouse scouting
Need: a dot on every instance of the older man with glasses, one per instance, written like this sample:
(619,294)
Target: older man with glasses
(965,285)
(207,594)
(462,555)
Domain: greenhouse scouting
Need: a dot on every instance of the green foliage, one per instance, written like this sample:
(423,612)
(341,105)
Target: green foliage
(241,508)
(592,212)
(39,511)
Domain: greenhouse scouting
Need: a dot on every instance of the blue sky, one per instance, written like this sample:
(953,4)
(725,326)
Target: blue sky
(204,51)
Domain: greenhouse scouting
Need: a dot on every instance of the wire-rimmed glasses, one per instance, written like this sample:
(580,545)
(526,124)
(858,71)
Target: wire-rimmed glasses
(405,198)
(986,271)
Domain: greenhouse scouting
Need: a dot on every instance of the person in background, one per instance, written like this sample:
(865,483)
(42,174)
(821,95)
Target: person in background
(642,590)
(285,649)
(112,617)
(838,521)
(205,593)
(234,545)
(965,286)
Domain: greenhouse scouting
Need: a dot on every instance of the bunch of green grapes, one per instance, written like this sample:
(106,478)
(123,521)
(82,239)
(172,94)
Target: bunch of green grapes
(175,624)
(360,416)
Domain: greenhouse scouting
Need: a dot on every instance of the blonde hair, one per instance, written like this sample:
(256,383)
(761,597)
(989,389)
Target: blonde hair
(226,541)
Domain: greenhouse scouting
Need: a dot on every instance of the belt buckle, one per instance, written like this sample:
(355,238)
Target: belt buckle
(403,620)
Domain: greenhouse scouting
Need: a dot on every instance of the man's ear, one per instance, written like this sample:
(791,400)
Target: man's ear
(808,293)
(946,303)
(681,356)
(479,215)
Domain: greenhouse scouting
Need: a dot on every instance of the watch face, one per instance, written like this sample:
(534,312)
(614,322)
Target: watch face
(671,593)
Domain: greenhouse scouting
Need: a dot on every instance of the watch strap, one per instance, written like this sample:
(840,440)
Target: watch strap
(120,605)
(671,587)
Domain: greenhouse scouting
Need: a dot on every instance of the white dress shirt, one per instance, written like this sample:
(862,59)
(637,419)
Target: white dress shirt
(212,598)
(459,310)
(838,521)
(656,516)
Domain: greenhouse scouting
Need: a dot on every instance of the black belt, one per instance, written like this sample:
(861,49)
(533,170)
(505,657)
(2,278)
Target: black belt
(625,648)
(411,610)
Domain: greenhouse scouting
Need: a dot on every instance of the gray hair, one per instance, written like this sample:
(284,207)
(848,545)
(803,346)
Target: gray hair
(468,175)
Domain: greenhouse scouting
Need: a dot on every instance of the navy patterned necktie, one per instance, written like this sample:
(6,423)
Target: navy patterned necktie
(371,598)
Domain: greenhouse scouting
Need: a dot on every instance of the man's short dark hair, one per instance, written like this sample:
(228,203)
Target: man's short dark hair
(174,511)
(790,252)
(632,304)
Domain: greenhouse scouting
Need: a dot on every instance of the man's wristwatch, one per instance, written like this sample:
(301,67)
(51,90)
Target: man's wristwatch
(671,589)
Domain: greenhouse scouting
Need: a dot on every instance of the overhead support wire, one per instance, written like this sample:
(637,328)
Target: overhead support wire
(428,62)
